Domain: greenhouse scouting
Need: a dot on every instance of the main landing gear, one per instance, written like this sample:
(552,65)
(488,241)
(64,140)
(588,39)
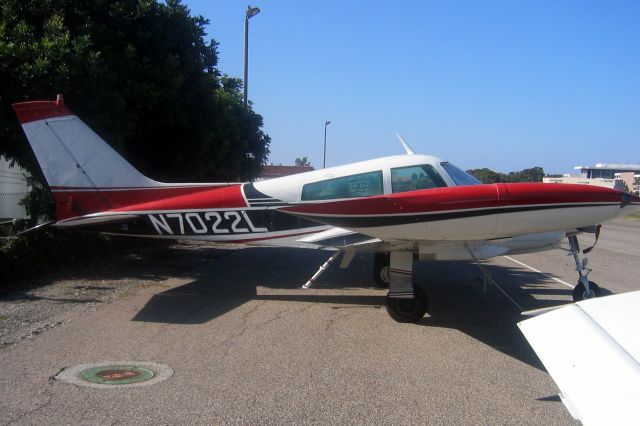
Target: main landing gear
(405,302)
(585,289)
(410,309)
(381,274)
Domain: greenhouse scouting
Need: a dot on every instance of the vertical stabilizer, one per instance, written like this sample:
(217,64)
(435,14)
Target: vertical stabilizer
(79,165)
(72,155)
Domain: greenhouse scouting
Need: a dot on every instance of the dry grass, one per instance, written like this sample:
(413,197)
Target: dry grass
(635,216)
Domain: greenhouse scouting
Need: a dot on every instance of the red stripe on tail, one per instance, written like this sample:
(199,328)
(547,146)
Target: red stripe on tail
(40,110)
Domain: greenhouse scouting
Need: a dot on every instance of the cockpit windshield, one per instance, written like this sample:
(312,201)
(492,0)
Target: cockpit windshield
(460,177)
(412,178)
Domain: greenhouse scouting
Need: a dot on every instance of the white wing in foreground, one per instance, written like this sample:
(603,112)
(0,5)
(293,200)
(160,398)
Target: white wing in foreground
(591,349)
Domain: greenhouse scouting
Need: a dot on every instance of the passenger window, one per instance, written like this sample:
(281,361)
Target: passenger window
(411,178)
(361,185)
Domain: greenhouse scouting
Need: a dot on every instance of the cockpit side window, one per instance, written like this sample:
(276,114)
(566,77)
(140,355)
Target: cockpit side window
(360,185)
(460,177)
(411,178)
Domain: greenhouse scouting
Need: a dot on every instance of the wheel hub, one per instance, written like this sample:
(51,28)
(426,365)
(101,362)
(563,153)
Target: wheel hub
(407,306)
(384,275)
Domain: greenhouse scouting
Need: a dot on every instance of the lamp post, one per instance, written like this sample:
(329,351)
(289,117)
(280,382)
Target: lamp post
(324,157)
(251,12)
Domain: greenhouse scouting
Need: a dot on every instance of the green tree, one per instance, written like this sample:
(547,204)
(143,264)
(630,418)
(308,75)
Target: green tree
(303,162)
(534,174)
(141,74)
(485,175)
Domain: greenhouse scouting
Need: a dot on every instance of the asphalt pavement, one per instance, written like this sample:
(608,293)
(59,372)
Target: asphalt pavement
(248,345)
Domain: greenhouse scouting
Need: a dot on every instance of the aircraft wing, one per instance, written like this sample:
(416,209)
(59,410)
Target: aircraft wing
(340,238)
(351,241)
(591,349)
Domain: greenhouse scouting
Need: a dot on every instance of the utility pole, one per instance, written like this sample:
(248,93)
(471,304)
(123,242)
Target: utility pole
(324,157)
(251,12)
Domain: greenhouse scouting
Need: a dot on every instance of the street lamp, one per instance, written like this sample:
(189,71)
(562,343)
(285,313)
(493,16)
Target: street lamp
(324,157)
(251,12)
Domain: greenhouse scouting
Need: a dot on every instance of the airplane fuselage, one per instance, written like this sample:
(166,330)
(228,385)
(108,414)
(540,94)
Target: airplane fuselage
(401,198)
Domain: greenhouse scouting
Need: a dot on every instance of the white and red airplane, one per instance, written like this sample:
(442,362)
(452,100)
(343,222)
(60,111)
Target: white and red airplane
(401,208)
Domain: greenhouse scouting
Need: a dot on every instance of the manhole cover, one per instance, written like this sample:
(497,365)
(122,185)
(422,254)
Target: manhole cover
(115,374)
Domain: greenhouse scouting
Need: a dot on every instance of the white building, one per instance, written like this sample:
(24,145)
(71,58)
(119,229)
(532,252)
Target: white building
(607,170)
(607,183)
(13,188)
(629,173)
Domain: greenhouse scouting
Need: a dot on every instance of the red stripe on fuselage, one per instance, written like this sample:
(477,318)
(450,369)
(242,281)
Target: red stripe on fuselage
(40,110)
(463,198)
(73,202)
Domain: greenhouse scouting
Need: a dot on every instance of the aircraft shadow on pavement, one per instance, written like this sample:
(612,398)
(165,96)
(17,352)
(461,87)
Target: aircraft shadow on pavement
(224,284)
(455,291)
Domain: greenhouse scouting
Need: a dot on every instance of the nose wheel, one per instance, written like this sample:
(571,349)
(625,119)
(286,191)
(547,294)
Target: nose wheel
(585,289)
(580,292)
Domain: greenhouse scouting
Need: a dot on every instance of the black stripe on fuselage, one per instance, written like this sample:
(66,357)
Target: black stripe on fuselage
(256,198)
(381,220)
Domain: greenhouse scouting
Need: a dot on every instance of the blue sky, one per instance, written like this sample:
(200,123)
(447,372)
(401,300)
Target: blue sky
(499,84)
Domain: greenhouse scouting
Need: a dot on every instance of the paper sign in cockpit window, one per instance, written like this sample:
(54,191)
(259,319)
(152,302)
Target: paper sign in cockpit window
(363,187)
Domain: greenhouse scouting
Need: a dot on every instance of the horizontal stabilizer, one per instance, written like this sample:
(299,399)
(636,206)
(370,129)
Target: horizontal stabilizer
(98,219)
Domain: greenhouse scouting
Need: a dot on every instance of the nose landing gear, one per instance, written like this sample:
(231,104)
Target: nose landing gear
(585,289)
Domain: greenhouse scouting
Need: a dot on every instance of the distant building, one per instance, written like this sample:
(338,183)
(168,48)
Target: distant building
(607,171)
(631,180)
(270,172)
(13,188)
(607,183)
(627,173)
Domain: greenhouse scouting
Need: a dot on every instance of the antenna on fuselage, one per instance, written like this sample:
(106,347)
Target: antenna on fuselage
(404,143)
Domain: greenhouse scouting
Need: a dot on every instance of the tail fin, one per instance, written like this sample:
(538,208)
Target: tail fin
(78,165)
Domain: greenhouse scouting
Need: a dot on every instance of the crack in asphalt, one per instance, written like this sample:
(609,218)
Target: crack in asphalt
(245,317)
(47,403)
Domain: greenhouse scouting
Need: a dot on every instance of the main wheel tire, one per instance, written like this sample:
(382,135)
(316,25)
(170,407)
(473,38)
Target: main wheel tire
(381,270)
(580,293)
(408,310)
